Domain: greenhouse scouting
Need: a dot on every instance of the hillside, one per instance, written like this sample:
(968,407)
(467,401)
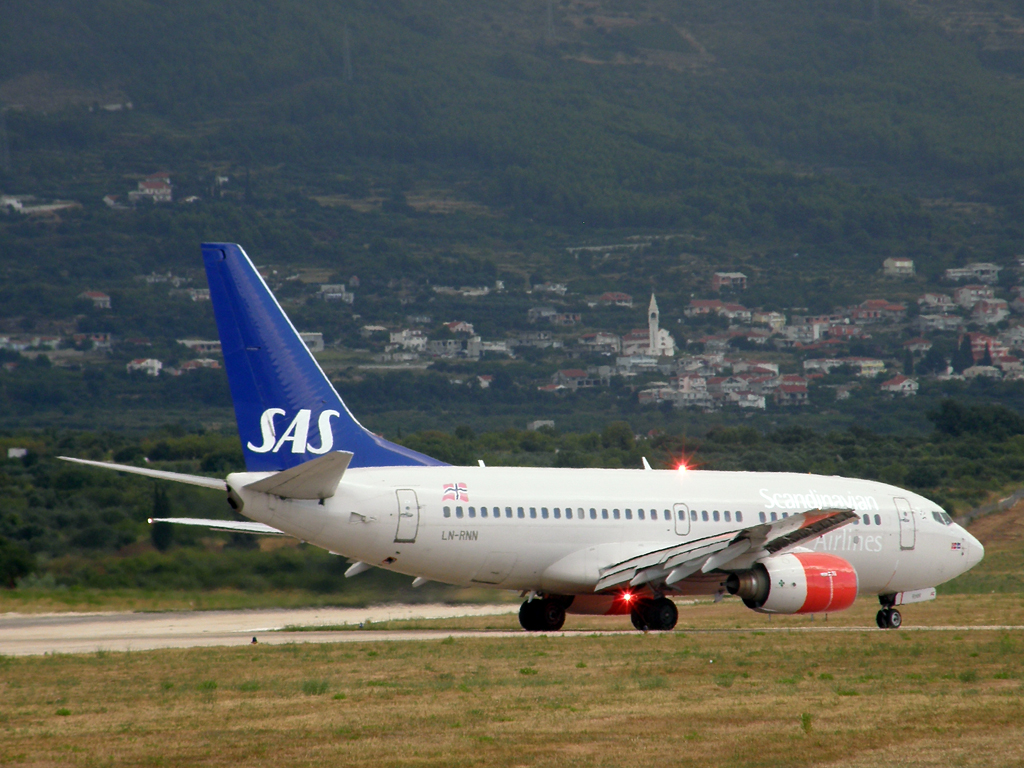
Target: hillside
(416,144)
(792,126)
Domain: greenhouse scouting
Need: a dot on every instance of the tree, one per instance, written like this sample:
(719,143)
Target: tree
(15,562)
(162,534)
(908,362)
(964,356)
(932,362)
(986,359)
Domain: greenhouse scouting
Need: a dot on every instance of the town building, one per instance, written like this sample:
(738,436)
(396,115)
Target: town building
(149,366)
(201,346)
(99,300)
(896,266)
(314,340)
(616,298)
(968,295)
(990,311)
(983,272)
(900,385)
(336,292)
(736,281)
(155,188)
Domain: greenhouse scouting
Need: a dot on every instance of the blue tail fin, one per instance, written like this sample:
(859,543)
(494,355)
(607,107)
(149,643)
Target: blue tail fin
(287,410)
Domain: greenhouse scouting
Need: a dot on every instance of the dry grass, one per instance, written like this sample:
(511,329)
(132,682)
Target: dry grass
(704,615)
(741,698)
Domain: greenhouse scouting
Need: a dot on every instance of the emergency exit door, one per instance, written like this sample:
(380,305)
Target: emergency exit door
(908,526)
(408,516)
(681,513)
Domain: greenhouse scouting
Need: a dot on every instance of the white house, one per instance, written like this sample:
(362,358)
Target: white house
(900,385)
(149,366)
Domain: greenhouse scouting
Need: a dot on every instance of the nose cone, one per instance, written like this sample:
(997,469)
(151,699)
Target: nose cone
(975,551)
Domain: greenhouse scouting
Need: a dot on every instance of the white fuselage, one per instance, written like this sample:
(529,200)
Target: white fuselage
(552,530)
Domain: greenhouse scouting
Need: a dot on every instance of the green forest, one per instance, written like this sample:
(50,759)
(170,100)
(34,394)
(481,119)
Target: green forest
(68,526)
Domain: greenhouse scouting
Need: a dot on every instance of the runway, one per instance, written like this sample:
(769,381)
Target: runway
(27,635)
(35,634)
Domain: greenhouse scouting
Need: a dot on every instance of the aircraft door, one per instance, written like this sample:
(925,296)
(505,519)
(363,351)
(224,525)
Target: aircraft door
(908,526)
(681,513)
(408,516)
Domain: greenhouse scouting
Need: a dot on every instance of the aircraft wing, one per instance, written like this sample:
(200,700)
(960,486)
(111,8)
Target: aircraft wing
(674,563)
(178,477)
(234,526)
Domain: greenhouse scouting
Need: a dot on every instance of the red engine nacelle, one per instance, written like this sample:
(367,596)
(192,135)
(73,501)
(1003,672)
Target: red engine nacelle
(802,582)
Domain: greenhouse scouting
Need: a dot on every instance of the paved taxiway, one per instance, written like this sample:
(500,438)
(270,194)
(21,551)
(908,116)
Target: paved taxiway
(25,635)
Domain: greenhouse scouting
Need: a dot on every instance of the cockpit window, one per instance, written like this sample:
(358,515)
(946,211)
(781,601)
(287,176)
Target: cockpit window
(942,517)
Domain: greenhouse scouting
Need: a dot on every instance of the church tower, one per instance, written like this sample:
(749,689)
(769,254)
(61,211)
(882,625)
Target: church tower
(652,326)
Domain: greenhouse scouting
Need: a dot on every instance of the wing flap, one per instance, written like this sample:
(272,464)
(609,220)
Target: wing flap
(675,563)
(234,526)
(316,479)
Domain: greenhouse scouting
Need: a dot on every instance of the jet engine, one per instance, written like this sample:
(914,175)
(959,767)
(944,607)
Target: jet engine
(801,582)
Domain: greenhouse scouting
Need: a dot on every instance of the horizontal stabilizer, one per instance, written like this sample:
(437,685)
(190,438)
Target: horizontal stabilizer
(316,479)
(159,474)
(235,526)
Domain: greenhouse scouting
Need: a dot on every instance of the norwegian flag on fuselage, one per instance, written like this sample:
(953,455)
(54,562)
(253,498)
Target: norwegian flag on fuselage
(455,492)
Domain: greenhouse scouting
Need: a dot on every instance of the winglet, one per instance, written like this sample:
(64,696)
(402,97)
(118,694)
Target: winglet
(316,479)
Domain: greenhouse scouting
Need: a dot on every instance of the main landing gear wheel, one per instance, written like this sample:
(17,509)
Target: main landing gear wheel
(888,618)
(542,615)
(660,614)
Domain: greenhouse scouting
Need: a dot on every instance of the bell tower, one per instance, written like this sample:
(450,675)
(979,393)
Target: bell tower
(652,326)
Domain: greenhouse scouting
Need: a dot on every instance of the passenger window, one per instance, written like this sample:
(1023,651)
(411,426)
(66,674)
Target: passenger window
(867,519)
(615,514)
(728,517)
(654,514)
(520,512)
(458,511)
(472,511)
(668,514)
(639,514)
(629,514)
(714,515)
(762,516)
(739,516)
(558,513)
(604,514)
(544,512)
(593,514)
(704,515)
(508,511)
(580,513)
(878,519)
(568,513)
(774,517)
(785,515)
(533,512)
(483,511)
(693,515)
(447,511)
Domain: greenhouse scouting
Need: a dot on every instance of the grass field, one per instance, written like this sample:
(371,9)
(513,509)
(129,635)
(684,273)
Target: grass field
(729,688)
(739,698)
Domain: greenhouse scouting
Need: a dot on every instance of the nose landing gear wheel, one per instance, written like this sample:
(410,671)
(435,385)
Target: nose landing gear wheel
(888,618)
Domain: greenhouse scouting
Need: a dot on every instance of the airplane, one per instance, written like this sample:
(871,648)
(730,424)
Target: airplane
(576,541)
